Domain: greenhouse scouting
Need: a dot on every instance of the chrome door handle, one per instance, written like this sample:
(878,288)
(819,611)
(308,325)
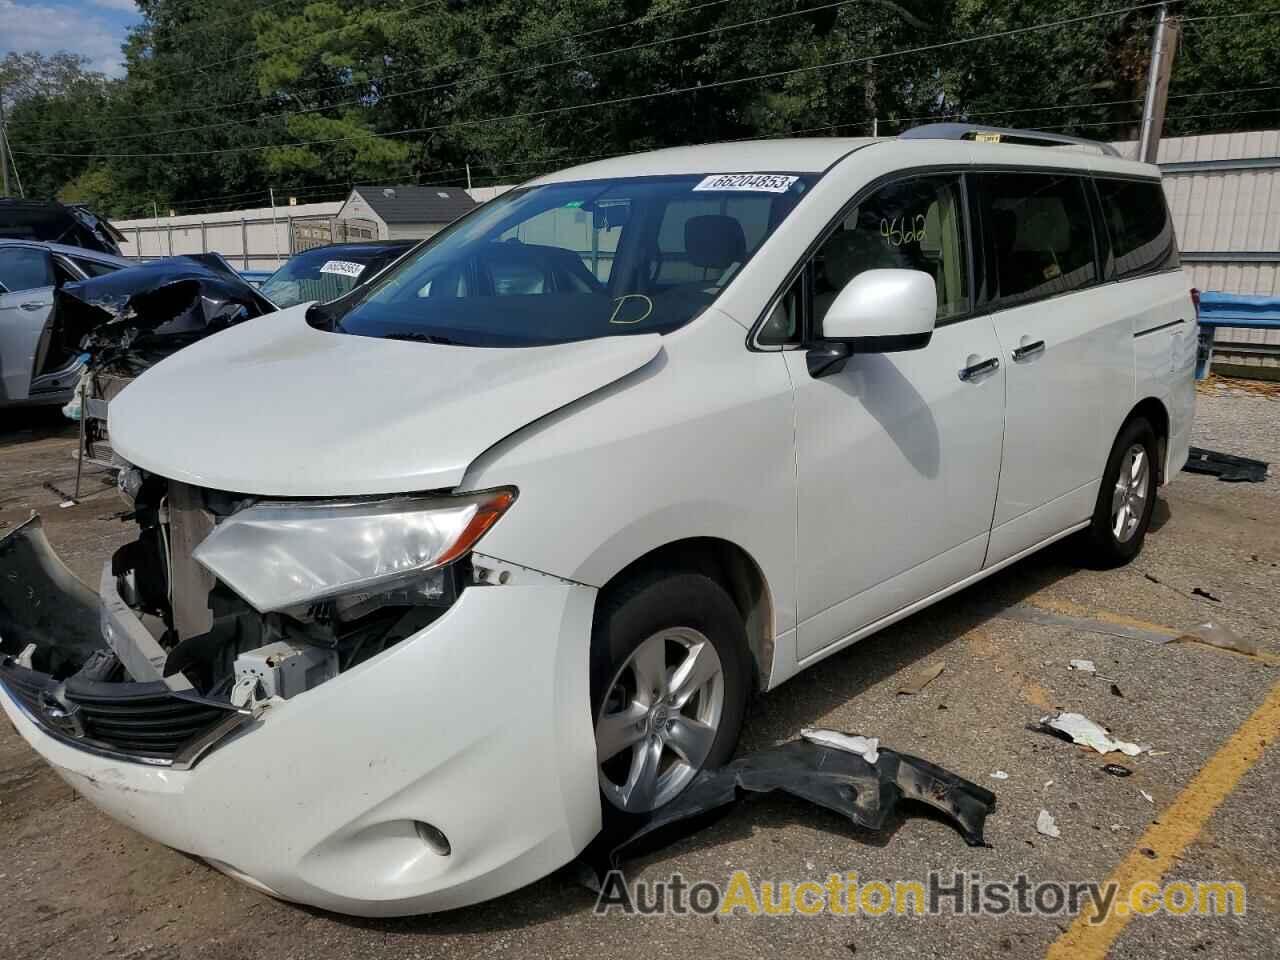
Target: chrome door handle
(978,369)
(1030,350)
(34,305)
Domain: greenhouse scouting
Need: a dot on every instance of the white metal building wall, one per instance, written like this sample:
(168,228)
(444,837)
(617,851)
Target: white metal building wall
(251,239)
(1224,194)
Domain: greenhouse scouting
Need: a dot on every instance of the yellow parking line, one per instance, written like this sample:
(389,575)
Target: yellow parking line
(1070,608)
(1177,827)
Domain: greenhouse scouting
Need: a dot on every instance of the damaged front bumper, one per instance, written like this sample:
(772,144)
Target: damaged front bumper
(475,730)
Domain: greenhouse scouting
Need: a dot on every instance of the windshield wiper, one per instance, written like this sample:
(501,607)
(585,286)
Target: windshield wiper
(423,338)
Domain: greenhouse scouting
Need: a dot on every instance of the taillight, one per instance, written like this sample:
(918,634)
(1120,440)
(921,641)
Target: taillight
(1195,302)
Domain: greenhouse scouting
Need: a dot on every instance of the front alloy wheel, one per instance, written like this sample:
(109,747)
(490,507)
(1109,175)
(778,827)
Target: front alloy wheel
(659,719)
(670,677)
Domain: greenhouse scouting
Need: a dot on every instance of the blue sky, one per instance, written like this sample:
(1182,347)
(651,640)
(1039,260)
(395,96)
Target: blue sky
(95,28)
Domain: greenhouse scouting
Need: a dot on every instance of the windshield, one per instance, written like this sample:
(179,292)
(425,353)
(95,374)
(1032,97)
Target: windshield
(573,261)
(326,273)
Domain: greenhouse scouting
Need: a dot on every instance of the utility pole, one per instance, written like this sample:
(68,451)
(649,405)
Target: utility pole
(869,97)
(4,151)
(275,227)
(1164,45)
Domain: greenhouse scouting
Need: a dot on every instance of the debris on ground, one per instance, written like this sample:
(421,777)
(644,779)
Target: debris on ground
(1115,690)
(999,775)
(1078,728)
(1205,594)
(814,769)
(66,499)
(865,747)
(921,680)
(1045,824)
(1226,466)
(1147,797)
(1117,770)
(1216,635)
(1084,666)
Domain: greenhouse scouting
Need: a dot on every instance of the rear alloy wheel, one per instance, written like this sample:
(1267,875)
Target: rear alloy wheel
(1125,500)
(670,676)
(1129,497)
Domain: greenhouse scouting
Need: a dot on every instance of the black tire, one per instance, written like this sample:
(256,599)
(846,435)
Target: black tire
(647,606)
(1099,546)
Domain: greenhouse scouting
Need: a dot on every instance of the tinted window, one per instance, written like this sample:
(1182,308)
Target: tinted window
(914,224)
(783,323)
(25,268)
(92,268)
(1138,221)
(1038,236)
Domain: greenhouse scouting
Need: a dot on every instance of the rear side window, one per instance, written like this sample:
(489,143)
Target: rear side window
(25,268)
(1038,236)
(92,268)
(1138,222)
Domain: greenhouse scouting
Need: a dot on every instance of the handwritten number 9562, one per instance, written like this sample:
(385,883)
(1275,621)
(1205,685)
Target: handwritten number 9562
(902,230)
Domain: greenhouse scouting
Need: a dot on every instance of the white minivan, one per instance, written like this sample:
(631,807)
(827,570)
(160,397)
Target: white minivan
(431,580)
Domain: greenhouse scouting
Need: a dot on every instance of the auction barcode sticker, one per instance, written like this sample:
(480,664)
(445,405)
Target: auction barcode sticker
(759,182)
(343,268)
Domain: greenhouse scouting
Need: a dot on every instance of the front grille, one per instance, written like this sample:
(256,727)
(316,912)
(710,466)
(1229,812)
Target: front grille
(147,722)
(35,691)
(149,719)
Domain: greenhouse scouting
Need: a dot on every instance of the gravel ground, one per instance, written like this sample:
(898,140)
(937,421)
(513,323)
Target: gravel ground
(75,883)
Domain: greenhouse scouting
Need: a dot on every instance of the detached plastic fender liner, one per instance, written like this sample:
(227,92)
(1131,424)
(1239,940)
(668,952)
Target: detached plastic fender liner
(41,599)
(839,780)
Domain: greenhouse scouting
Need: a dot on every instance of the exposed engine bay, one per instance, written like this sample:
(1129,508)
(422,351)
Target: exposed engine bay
(214,638)
(167,658)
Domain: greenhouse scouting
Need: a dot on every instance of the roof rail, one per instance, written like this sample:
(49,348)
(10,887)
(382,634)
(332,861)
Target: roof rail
(971,131)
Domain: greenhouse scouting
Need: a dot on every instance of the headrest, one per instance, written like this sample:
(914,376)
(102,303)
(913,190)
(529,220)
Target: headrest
(1043,225)
(714,241)
(1005,227)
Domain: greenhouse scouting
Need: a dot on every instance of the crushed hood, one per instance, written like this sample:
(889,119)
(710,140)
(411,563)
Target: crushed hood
(129,319)
(274,407)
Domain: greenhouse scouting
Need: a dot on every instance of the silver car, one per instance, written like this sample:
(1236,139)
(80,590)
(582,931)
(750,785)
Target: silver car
(33,369)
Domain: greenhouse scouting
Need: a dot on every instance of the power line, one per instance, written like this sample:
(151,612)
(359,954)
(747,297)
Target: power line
(204,25)
(434,68)
(263,51)
(1135,121)
(1230,16)
(971,114)
(466,80)
(614,101)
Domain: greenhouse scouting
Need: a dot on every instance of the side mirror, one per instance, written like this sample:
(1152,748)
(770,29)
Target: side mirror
(878,311)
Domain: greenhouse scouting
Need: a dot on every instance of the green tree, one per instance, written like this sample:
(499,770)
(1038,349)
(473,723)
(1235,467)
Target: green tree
(49,100)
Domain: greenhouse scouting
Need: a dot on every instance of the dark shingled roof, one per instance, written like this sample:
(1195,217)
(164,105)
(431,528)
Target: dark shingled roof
(411,203)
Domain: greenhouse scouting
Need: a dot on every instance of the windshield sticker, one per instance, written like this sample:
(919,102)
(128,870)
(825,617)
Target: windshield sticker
(344,268)
(757,182)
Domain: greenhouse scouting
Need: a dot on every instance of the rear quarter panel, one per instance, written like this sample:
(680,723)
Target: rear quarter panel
(1164,340)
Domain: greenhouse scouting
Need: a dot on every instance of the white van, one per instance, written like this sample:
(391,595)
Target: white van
(431,579)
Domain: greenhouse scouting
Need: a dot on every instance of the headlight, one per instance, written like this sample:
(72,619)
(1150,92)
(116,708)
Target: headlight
(281,555)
